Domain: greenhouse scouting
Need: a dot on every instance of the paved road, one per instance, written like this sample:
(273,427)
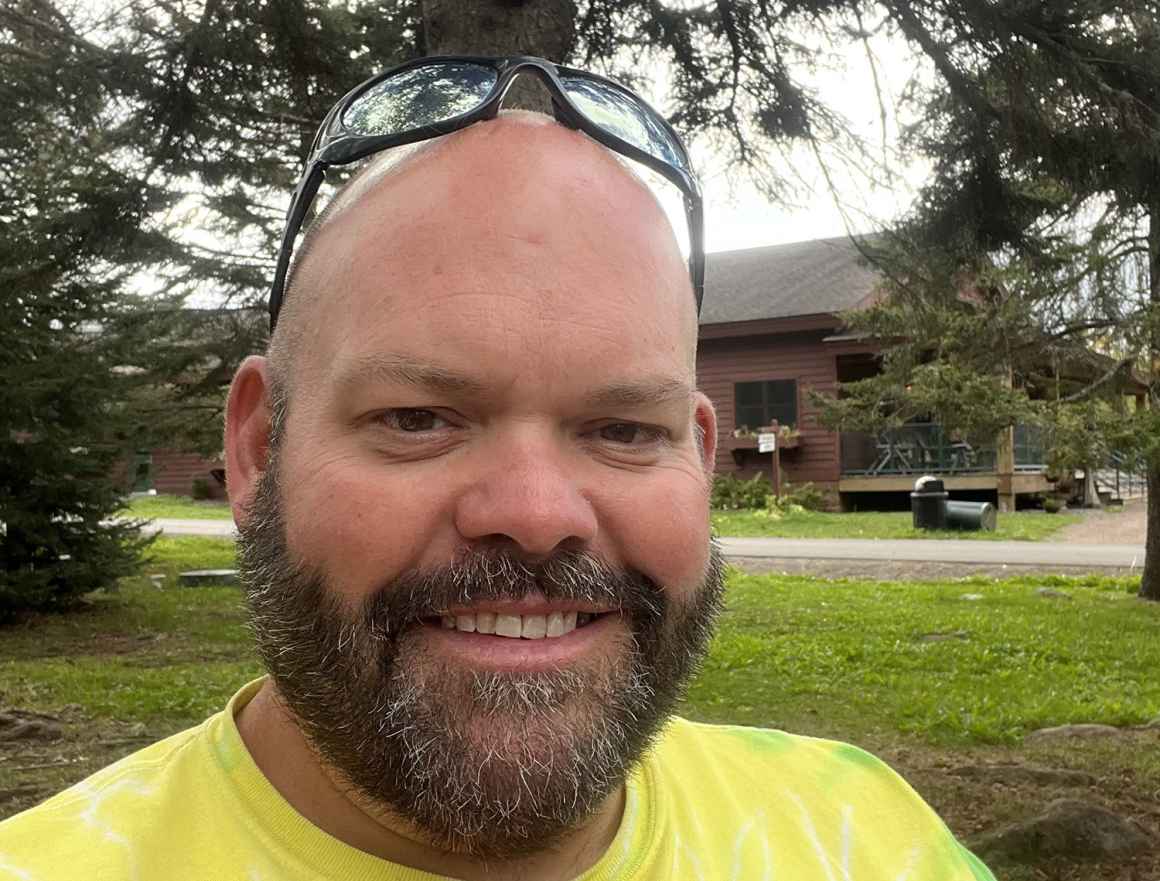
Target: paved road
(174,526)
(1012,553)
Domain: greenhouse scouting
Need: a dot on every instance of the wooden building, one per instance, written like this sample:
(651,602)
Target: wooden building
(771,332)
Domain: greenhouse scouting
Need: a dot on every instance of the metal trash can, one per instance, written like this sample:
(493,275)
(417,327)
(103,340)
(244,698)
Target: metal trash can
(971,516)
(928,503)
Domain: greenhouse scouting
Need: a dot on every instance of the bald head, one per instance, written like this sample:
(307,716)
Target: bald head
(501,207)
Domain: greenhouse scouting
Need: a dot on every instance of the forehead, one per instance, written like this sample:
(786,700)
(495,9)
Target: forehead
(510,234)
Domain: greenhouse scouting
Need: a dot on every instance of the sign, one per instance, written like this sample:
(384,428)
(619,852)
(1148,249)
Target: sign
(767,442)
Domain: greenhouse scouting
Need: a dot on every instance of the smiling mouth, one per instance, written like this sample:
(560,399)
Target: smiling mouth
(550,626)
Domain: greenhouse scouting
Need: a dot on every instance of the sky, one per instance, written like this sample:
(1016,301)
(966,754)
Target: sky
(738,216)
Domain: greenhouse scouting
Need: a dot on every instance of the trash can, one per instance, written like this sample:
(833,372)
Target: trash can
(928,503)
(971,516)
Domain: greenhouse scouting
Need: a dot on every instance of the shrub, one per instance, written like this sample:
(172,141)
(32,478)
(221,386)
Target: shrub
(1053,504)
(201,490)
(804,495)
(732,493)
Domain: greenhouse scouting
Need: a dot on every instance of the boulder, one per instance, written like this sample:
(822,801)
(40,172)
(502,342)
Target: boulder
(1082,729)
(1068,828)
(207,577)
(1025,774)
(19,725)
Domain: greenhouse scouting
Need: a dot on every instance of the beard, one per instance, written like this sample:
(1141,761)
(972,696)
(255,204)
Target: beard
(494,765)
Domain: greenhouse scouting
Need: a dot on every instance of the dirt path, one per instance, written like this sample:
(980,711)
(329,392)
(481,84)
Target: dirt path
(1125,526)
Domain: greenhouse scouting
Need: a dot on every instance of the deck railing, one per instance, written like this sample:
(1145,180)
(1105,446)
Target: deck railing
(925,448)
(915,448)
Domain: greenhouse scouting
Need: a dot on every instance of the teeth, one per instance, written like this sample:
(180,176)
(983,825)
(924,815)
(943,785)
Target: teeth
(553,625)
(508,625)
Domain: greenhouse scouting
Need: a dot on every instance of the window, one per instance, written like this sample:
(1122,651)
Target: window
(763,403)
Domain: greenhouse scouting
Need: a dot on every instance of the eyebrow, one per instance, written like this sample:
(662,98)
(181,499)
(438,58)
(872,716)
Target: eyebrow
(402,370)
(643,393)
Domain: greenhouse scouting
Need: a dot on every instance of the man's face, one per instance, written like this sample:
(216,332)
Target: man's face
(479,559)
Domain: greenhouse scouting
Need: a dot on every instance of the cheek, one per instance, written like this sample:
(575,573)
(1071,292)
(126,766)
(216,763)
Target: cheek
(661,527)
(361,529)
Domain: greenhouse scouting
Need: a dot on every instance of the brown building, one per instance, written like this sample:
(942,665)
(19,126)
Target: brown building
(771,332)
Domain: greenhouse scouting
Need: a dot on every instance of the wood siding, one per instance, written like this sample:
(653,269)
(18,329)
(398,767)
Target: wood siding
(174,473)
(801,356)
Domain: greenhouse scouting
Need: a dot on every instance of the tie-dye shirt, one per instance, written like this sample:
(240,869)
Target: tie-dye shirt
(707,802)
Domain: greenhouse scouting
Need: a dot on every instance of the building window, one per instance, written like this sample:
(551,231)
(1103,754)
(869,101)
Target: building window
(763,403)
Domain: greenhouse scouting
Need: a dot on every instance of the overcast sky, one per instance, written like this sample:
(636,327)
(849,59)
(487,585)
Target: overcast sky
(736,216)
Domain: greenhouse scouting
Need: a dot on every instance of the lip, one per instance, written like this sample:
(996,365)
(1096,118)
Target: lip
(505,654)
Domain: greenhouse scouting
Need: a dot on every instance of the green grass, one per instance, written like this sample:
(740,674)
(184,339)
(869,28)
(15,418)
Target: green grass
(1018,526)
(856,659)
(167,656)
(150,507)
(835,658)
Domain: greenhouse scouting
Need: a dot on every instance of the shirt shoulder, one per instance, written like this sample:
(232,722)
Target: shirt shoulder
(802,807)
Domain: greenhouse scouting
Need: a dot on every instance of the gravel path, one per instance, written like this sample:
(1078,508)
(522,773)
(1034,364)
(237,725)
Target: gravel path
(1099,527)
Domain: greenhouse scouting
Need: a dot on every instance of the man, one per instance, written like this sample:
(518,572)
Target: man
(471,479)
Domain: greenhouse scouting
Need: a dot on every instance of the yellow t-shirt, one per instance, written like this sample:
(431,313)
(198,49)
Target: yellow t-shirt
(707,802)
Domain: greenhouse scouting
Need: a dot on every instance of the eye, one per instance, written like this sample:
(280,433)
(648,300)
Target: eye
(410,420)
(630,433)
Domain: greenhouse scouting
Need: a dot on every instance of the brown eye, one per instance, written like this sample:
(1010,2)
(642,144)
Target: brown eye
(412,420)
(622,432)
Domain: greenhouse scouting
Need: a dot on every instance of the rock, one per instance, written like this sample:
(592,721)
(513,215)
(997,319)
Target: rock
(1051,594)
(943,637)
(1069,828)
(18,725)
(204,577)
(1025,774)
(1083,729)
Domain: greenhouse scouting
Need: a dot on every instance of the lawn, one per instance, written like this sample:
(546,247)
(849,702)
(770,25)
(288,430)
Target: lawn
(1018,526)
(969,661)
(151,507)
(930,675)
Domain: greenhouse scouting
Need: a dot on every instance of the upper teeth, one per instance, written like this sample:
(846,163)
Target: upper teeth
(514,626)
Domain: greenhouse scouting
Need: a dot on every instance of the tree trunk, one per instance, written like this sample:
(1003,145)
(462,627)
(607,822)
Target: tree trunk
(1091,493)
(1150,582)
(546,28)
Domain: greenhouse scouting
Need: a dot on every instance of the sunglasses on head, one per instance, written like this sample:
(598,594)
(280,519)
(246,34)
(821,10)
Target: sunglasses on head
(435,96)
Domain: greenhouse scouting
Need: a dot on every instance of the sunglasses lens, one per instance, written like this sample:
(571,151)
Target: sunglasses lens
(417,97)
(621,115)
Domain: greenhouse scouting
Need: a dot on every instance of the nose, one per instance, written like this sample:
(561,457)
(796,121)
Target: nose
(527,495)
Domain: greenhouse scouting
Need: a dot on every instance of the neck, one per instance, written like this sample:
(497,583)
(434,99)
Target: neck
(313,788)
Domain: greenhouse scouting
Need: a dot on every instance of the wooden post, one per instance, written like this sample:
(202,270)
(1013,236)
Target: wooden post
(1005,462)
(776,464)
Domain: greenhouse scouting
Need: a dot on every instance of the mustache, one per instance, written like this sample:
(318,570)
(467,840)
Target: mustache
(497,576)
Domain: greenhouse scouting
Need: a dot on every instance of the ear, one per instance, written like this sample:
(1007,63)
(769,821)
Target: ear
(247,440)
(705,418)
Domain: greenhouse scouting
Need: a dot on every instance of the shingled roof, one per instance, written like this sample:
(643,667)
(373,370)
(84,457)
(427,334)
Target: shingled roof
(821,276)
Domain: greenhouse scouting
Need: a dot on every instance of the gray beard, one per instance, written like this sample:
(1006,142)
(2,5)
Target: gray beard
(491,765)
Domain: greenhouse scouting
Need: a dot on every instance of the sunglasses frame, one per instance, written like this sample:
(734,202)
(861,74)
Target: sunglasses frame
(334,145)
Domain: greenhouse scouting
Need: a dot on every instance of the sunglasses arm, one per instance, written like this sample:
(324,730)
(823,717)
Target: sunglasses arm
(300,203)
